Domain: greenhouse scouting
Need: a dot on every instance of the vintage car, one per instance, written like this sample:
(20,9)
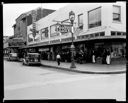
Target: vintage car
(32,58)
(13,57)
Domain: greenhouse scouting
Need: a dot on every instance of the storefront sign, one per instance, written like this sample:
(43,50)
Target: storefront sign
(34,22)
(17,44)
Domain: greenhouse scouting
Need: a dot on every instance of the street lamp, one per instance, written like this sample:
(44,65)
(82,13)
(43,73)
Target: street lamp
(72,18)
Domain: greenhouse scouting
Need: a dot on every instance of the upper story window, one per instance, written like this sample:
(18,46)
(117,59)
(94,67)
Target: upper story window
(94,18)
(80,21)
(116,13)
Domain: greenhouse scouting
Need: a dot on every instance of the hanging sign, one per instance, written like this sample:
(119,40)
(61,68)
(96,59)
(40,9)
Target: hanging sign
(64,28)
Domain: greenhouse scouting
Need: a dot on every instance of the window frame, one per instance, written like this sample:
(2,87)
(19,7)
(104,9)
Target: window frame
(79,21)
(100,14)
(116,13)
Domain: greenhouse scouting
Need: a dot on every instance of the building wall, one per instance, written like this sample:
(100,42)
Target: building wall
(81,8)
(107,14)
(20,30)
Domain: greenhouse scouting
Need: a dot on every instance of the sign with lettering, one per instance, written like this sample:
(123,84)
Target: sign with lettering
(64,28)
(34,22)
(16,43)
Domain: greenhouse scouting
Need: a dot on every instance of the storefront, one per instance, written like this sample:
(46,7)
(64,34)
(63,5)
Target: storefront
(92,31)
(45,53)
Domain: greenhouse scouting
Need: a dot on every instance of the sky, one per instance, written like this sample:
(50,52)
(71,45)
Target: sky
(12,11)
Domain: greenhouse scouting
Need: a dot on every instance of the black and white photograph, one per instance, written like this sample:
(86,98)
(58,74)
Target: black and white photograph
(64,51)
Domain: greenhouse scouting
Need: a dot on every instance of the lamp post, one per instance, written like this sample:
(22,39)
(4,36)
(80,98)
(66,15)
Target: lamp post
(72,18)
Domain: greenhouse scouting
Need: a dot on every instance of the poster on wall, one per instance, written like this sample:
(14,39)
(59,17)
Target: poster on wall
(44,33)
(30,38)
(54,31)
(37,37)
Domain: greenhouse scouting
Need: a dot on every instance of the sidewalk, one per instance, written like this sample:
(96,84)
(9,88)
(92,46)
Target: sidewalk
(87,67)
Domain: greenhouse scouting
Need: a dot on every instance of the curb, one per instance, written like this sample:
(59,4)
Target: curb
(86,72)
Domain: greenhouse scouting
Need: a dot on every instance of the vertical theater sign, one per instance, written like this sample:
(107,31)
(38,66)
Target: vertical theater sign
(35,35)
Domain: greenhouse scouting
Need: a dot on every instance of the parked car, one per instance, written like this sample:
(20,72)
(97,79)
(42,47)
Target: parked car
(13,57)
(32,58)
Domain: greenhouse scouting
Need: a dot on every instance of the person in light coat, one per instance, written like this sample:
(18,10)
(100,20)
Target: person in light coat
(93,57)
(58,58)
(108,58)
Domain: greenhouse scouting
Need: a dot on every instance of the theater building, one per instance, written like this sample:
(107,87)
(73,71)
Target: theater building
(96,26)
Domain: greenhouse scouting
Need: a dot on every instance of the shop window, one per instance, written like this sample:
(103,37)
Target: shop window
(80,21)
(102,34)
(116,13)
(113,33)
(94,18)
(117,50)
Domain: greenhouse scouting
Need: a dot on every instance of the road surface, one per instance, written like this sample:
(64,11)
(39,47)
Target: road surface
(37,82)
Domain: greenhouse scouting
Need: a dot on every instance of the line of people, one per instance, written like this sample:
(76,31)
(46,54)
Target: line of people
(88,56)
(106,59)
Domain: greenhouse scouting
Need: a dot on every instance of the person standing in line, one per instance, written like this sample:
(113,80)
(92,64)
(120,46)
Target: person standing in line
(58,58)
(104,56)
(93,57)
(108,57)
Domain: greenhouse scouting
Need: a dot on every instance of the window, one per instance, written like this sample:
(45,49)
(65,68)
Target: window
(118,33)
(102,34)
(94,18)
(113,33)
(97,34)
(116,13)
(80,21)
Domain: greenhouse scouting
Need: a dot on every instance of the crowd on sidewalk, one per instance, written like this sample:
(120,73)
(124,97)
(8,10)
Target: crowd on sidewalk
(83,57)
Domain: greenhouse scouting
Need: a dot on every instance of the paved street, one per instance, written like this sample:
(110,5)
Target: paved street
(38,82)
